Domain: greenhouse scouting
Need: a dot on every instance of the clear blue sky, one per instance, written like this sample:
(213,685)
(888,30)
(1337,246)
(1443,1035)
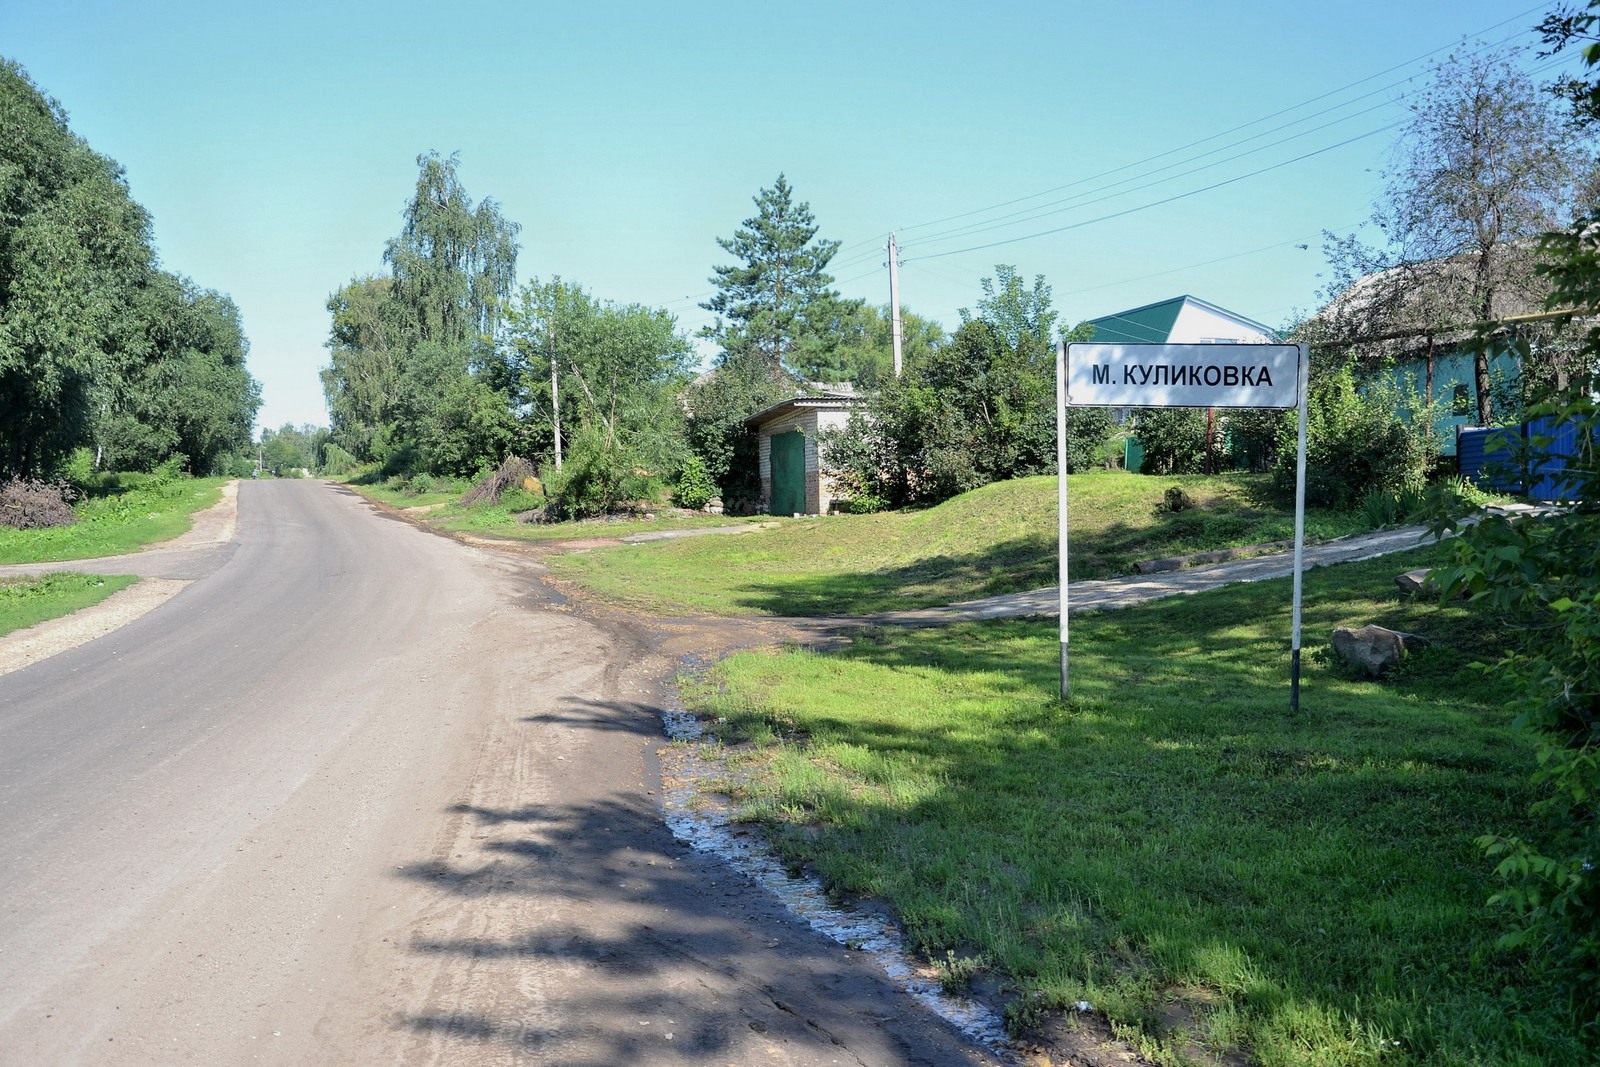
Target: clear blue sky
(275,144)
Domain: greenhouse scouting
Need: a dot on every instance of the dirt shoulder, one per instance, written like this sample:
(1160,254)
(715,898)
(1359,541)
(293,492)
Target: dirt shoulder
(217,525)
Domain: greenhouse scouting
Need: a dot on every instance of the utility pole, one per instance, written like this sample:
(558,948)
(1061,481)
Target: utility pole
(555,387)
(555,408)
(894,299)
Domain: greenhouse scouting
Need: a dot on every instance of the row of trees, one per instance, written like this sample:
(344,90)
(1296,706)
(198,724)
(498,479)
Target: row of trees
(99,347)
(438,366)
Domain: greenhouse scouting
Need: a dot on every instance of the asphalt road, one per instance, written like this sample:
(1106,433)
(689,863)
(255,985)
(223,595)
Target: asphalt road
(361,794)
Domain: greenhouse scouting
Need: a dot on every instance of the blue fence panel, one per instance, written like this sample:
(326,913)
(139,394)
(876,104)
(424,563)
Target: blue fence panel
(1489,457)
(1529,460)
(1551,446)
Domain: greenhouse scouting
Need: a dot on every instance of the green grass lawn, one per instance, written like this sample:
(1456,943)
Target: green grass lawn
(998,539)
(446,512)
(1305,888)
(27,602)
(116,521)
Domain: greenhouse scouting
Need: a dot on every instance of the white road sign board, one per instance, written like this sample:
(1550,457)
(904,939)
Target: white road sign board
(1183,376)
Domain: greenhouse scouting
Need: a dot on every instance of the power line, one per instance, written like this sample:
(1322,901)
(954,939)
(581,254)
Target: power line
(1165,200)
(1077,200)
(1234,129)
(1300,242)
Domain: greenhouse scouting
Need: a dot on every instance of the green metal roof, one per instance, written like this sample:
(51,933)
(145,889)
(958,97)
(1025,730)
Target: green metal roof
(1149,325)
(1153,323)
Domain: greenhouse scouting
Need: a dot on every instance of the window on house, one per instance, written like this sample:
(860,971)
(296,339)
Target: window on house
(1461,400)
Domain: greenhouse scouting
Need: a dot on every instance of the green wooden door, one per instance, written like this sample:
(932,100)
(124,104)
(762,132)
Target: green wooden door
(788,473)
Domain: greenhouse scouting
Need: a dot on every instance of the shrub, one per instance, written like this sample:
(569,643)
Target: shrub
(859,462)
(337,461)
(1174,440)
(26,504)
(1540,572)
(1088,429)
(695,488)
(600,473)
(1356,441)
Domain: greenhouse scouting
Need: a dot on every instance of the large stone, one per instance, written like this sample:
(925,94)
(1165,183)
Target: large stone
(1414,583)
(1373,648)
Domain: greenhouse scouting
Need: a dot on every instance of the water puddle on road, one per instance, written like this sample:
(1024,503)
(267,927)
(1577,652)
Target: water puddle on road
(708,828)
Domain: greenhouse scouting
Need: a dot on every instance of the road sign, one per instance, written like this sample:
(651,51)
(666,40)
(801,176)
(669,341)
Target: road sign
(1183,376)
(1152,376)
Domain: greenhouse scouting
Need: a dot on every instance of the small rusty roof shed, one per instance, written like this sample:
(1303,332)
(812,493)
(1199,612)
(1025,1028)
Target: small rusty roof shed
(792,479)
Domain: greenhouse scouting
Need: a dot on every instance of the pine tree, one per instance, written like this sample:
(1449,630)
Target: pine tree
(777,301)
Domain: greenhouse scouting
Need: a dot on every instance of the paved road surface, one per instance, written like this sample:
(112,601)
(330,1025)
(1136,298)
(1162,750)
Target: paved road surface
(360,794)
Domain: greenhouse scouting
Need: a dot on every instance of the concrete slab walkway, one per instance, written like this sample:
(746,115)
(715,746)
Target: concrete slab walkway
(1108,593)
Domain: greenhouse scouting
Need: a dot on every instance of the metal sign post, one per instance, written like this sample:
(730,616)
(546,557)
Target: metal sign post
(1185,376)
(1299,529)
(1061,503)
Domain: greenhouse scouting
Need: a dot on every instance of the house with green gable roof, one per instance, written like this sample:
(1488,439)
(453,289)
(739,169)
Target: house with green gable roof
(1181,320)
(1184,320)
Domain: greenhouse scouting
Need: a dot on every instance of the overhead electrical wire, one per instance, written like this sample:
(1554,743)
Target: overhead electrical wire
(1078,201)
(1244,125)
(1036,211)
(1166,200)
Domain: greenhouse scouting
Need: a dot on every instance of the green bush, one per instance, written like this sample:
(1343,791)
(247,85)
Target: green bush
(1174,440)
(694,488)
(336,461)
(1356,442)
(600,473)
(515,498)
(1541,572)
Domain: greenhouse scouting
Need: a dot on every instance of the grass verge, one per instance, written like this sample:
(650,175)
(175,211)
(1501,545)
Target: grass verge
(1171,845)
(442,499)
(116,519)
(998,539)
(26,602)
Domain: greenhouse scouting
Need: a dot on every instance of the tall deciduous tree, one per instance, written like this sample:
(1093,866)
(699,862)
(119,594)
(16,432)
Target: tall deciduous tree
(864,351)
(777,301)
(974,409)
(98,346)
(1485,164)
(415,379)
(1014,311)
(453,264)
(620,366)
(362,381)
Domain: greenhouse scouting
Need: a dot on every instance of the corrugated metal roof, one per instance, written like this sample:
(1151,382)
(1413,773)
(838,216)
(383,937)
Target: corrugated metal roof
(824,401)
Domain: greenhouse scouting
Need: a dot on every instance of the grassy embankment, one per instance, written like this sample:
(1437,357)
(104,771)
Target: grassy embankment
(441,497)
(1172,845)
(998,539)
(1208,871)
(122,516)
